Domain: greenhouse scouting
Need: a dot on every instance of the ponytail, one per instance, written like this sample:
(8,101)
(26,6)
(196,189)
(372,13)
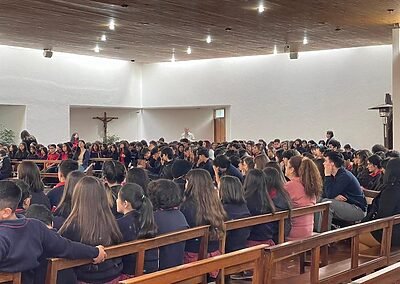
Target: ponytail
(134,194)
(310,178)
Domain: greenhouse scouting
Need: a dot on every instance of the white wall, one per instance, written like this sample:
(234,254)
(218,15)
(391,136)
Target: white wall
(169,123)
(89,129)
(13,117)
(48,86)
(272,96)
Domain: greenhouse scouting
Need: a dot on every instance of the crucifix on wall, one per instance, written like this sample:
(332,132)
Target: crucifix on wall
(105,119)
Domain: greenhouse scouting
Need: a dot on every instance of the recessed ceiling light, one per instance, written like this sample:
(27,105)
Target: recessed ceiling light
(96,48)
(189,50)
(208,40)
(124,5)
(228,29)
(132,60)
(390,11)
(305,40)
(103,38)
(275,50)
(261,8)
(111,25)
(338,29)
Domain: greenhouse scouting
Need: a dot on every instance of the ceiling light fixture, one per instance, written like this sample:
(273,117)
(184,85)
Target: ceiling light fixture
(103,38)
(305,40)
(189,50)
(261,8)
(208,40)
(96,48)
(111,25)
(275,50)
(173,56)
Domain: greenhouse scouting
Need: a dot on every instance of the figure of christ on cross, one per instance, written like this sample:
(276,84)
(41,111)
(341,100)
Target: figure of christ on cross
(105,119)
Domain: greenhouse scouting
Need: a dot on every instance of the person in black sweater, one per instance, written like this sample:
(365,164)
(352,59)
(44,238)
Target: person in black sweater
(166,198)
(202,206)
(204,161)
(63,209)
(22,152)
(386,204)
(92,223)
(26,196)
(374,166)
(138,176)
(23,241)
(113,175)
(5,165)
(64,169)
(27,138)
(179,170)
(29,173)
(167,160)
(222,166)
(234,203)
(137,223)
(32,155)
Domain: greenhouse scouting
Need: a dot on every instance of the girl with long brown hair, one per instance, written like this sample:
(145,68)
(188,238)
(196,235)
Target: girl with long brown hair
(91,222)
(304,188)
(202,206)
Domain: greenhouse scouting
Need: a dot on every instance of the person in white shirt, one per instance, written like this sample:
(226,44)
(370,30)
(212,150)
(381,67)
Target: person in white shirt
(187,135)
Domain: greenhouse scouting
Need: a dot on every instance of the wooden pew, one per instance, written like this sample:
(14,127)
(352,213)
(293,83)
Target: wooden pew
(387,275)
(14,278)
(337,272)
(139,247)
(193,273)
(370,194)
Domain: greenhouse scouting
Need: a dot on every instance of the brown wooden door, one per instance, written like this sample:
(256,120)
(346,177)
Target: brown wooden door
(219,125)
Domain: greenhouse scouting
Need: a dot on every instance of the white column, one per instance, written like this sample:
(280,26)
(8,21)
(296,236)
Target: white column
(396,88)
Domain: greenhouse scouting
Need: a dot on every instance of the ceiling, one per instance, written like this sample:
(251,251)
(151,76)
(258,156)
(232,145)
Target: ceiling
(148,30)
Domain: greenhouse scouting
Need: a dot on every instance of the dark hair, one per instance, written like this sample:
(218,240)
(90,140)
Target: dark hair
(330,133)
(249,161)
(10,195)
(113,171)
(25,192)
(290,153)
(231,190)
(392,154)
(24,134)
(203,151)
(255,184)
(167,151)
(375,160)
(67,166)
(138,176)
(134,194)
(335,157)
(276,166)
(64,207)
(222,161)
(309,175)
(392,172)
(29,173)
(261,161)
(41,213)
(164,194)
(274,181)
(378,148)
(335,143)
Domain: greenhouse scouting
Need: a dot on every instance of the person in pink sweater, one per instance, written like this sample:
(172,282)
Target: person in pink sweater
(304,188)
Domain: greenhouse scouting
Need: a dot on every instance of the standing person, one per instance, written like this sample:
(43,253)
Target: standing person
(343,189)
(27,138)
(82,155)
(91,222)
(124,153)
(329,136)
(187,135)
(74,140)
(201,206)
(304,188)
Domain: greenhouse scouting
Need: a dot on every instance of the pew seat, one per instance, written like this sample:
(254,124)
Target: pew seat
(14,278)
(387,275)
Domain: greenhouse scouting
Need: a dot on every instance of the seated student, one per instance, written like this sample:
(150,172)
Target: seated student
(113,153)
(25,201)
(22,152)
(360,168)
(204,161)
(137,222)
(52,155)
(179,170)
(5,165)
(92,222)
(222,166)
(23,241)
(259,202)
(63,209)
(113,174)
(12,151)
(246,164)
(64,169)
(166,198)
(374,166)
(261,161)
(343,189)
(138,176)
(66,152)
(201,206)
(42,153)
(124,154)
(304,188)
(32,153)
(29,173)
(386,204)
(234,203)
(167,160)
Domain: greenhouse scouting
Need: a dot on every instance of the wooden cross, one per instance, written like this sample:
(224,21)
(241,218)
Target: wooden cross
(105,119)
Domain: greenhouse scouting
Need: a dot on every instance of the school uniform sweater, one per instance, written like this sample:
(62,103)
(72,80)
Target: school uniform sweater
(38,197)
(23,241)
(5,168)
(237,239)
(129,227)
(55,194)
(208,166)
(232,171)
(188,208)
(171,221)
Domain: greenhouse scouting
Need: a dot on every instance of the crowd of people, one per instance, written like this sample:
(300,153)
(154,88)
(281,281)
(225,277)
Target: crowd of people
(152,188)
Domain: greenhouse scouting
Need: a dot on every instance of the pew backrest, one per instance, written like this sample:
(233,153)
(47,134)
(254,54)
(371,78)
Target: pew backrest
(14,278)
(387,275)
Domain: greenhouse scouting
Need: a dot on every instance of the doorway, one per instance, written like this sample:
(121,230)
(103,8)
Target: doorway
(219,125)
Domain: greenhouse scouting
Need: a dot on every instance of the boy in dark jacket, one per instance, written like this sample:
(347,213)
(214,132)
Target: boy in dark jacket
(5,165)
